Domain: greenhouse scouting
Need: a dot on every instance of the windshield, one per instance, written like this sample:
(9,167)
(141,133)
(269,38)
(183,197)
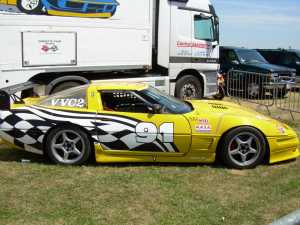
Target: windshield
(170,103)
(250,56)
(73,97)
(204,28)
(298,54)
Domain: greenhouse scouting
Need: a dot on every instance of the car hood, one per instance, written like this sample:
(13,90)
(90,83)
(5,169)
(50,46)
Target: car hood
(216,117)
(270,67)
(221,107)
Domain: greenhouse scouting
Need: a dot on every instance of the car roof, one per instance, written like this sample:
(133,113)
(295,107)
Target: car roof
(235,48)
(279,50)
(115,85)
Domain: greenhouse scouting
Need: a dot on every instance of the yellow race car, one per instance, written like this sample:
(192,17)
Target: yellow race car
(130,122)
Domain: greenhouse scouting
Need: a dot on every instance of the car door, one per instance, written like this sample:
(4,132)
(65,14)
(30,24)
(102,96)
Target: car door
(125,125)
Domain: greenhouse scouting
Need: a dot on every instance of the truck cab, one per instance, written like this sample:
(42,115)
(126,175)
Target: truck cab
(188,45)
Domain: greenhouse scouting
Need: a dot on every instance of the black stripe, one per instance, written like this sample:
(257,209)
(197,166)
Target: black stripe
(193,60)
(93,115)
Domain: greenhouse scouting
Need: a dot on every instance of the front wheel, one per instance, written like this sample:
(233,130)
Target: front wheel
(68,146)
(189,87)
(30,6)
(243,148)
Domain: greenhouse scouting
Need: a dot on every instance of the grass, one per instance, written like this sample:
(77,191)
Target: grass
(39,193)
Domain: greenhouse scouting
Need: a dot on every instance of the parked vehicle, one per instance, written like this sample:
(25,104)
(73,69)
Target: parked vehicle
(170,44)
(251,61)
(125,122)
(283,57)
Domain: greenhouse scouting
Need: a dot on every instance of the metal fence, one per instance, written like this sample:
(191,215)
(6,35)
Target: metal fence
(269,90)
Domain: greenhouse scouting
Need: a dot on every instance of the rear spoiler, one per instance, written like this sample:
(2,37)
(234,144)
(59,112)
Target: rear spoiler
(9,93)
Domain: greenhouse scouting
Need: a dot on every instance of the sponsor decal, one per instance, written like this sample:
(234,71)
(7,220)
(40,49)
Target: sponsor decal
(281,129)
(203,126)
(46,48)
(182,44)
(69,102)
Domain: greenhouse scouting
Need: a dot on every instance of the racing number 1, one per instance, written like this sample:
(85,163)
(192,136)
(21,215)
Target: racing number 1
(148,132)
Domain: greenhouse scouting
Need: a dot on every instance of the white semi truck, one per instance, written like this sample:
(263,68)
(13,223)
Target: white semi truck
(171,44)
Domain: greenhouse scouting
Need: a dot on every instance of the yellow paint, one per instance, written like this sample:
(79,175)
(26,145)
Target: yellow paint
(12,2)
(74,14)
(194,145)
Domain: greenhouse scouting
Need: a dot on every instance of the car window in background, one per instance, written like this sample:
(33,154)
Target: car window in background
(298,54)
(289,59)
(231,56)
(250,56)
(204,28)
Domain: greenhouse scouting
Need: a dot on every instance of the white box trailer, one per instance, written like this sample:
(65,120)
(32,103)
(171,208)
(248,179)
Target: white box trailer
(173,44)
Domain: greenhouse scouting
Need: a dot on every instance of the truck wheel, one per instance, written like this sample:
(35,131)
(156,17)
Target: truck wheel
(30,6)
(68,146)
(189,87)
(64,86)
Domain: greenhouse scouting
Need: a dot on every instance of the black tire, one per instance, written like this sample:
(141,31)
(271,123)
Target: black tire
(189,87)
(56,154)
(233,156)
(64,86)
(37,8)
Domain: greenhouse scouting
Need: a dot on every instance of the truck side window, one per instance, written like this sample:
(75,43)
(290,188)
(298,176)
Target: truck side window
(122,101)
(203,28)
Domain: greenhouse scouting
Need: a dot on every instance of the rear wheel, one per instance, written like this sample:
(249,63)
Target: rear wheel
(68,146)
(30,6)
(64,86)
(189,87)
(243,148)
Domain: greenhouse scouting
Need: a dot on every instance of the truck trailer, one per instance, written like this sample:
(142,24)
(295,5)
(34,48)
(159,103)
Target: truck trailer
(171,44)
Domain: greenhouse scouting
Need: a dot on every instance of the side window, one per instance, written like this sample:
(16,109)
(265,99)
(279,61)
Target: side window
(203,28)
(73,97)
(122,101)
(289,59)
(231,56)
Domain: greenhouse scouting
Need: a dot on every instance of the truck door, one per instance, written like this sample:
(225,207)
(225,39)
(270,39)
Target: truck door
(181,42)
(205,50)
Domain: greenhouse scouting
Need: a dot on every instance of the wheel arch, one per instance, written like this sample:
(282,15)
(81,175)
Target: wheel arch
(194,73)
(218,154)
(54,83)
(64,124)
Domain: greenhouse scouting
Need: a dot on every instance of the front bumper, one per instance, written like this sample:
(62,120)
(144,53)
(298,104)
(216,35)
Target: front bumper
(283,148)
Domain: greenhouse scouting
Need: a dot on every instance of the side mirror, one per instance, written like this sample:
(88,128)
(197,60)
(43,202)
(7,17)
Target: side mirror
(235,62)
(155,108)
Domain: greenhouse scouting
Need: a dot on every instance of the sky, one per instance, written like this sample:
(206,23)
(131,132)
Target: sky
(259,23)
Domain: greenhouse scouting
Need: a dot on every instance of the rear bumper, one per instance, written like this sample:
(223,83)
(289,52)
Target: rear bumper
(283,148)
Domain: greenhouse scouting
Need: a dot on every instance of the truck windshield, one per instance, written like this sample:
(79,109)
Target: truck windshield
(171,104)
(204,28)
(250,56)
